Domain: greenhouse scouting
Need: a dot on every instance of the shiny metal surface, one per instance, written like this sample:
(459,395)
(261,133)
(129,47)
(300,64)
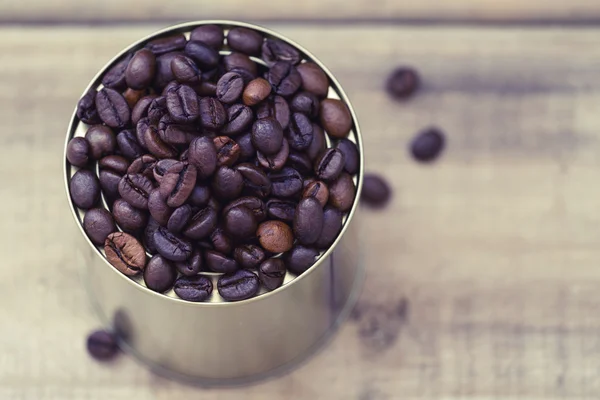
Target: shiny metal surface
(219,342)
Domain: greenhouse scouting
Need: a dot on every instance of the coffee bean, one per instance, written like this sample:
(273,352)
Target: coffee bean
(403,82)
(173,133)
(281,209)
(115,77)
(182,104)
(220,241)
(203,155)
(332,225)
(275,107)
(141,69)
(135,189)
(128,144)
(191,266)
(300,259)
(129,218)
(173,85)
(116,163)
(227,183)
(342,192)
(228,151)
(300,162)
(211,35)
(185,70)
(112,108)
(200,196)
(274,50)
(240,223)
(202,224)
(375,191)
(212,114)
(427,145)
(159,274)
(78,152)
(300,132)
(306,103)
(164,73)
(245,40)
(157,109)
(230,87)
(132,96)
(317,190)
(239,60)
(314,79)
(307,181)
(205,56)
(179,219)
(161,167)
(247,150)
(143,165)
(275,236)
(254,204)
(351,156)
(318,143)
(149,235)
(308,220)
(335,118)
(256,182)
(330,164)
(246,75)
(125,253)
(256,91)
(101,140)
(157,146)
(109,182)
(85,189)
(272,273)
(172,246)
(98,223)
(140,110)
(86,108)
(102,345)
(217,262)
(238,286)
(277,161)
(167,44)
(157,205)
(249,256)
(285,183)
(239,117)
(267,136)
(178,183)
(193,288)
(284,78)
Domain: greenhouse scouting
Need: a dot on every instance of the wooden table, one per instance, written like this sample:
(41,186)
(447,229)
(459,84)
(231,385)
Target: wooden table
(483,277)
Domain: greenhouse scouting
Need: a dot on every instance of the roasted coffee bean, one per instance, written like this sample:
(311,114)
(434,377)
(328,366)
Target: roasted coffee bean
(314,79)
(125,253)
(141,69)
(285,183)
(112,108)
(164,73)
(300,162)
(230,87)
(173,85)
(116,163)
(403,82)
(317,190)
(102,345)
(129,218)
(249,256)
(238,286)
(85,189)
(212,35)
(217,262)
(149,235)
(161,167)
(172,246)
(158,147)
(220,241)
(140,110)
(202,224)
(205,56)
(157,109)
(330,164)
(240,223)
(318,143)
(256,91)
(246,75)
(101,140)
(135,189)
(335,118)
(185,70)
(274,50)
(158,207)
(306,103)
(128,144)
(86,108)
(178,183)
(375,191)
(203,155)
(284,78)
(351,156)
(212,114)
(132,96)
(300,259)
(247,150)
(342,192)
(98,223)
(115,77)
(277,161)
(307,181)
(167,44)
(109,182)
(308,220)
(427,145)
(332,225)
(300,132)
(143,165)
(239,60)
(227,183)
(179,219)
(159,274)
(275,236)
(256,182)
(254,204)
(228,151)
(193,288)
(192,265)
(182,104)
(78,152)
(275,107)
(272,273)
(239,117)
(174,133)
(281,209)
(267,136)
(245,40)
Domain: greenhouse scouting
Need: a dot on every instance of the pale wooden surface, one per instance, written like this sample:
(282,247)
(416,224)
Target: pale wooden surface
(494,248)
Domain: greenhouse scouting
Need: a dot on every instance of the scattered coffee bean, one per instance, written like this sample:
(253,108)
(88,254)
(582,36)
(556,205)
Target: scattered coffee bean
(275,236)
(375,191)
(272,273)
(403,82)
(78,152)
(125,253)
(193,288)
(85,189)
(427,145)
(240,285)
(300,258)
(159,274)
(98,223)
(102,345)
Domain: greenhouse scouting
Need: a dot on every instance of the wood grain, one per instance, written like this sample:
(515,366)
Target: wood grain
(483,271)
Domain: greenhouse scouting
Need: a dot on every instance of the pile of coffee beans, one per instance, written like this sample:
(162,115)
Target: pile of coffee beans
(217,151)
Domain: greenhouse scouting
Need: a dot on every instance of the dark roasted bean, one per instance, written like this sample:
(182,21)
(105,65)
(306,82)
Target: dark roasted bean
(284,78)
(285,183)
(230,87)
(217,262)
(427,145)
(300,132)
(178,183)
(254,204)
(272,273)
(228,151)
(277,161)
(274,50)
(342,192)
(115,77)
(129,218)
(317,190)
(203,155)
(112,108)
(78,152)
(192,265)
(141,69)
(281,209)
(249,256)
(212,35)
(375,191)
(159,274)
(275,107)
(193,288)
(167,44)
(205,56)
(239,117)
(227,183)
(143,165)
(256,182)
(85,189)
(128,145)
(308,220)
(202,224)
(314,79)
(351,155)
(135,189)
(86,108)
(171,246)
(332,225)
(241,285)
(300,259)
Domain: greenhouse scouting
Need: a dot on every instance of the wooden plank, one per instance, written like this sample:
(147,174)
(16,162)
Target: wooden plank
(482,272)
(265,10)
